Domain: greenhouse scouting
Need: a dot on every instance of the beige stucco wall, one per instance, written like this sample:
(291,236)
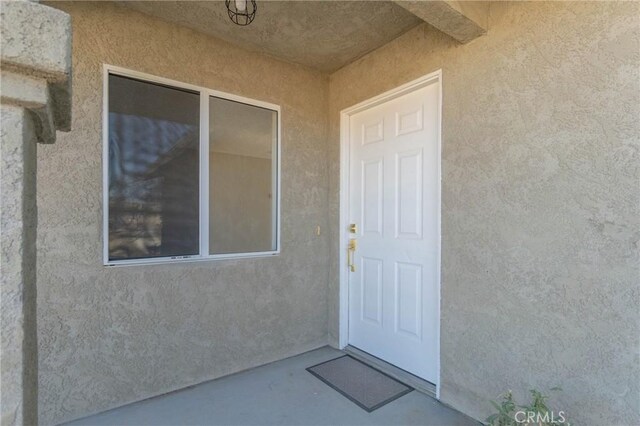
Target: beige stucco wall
(18,363)
(35,63)
(109,336)
(540,214)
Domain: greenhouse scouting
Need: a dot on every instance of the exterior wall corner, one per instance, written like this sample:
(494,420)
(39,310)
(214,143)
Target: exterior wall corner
(36,45)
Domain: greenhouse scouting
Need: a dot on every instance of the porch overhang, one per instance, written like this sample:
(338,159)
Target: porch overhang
(462,20)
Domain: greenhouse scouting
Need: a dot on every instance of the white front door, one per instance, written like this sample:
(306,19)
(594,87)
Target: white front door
(394,203)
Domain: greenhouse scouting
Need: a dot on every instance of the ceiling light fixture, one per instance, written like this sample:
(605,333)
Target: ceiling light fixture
(241,12)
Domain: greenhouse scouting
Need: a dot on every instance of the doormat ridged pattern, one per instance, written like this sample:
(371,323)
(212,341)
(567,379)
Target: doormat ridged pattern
(367,387)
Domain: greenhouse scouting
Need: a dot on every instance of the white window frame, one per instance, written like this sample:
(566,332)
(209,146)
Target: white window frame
(204,94)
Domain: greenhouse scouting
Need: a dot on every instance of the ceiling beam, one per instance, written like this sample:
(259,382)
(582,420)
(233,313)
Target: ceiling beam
(462,20)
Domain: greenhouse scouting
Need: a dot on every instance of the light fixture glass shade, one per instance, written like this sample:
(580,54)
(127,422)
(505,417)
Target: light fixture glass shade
(241,12)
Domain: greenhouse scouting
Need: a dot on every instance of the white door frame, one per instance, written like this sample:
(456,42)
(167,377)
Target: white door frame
(345,115)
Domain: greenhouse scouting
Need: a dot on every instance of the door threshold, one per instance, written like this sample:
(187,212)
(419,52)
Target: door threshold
(403,376)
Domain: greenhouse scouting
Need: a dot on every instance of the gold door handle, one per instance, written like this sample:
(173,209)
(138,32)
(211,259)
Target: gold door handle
(350,252)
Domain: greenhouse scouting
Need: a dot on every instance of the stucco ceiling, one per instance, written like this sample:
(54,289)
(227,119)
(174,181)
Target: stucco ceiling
(324,35)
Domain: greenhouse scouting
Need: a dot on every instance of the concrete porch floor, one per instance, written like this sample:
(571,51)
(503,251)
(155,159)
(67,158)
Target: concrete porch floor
(280,393)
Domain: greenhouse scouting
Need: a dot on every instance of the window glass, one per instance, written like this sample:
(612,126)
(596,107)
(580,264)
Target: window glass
(153,170)
(242,177)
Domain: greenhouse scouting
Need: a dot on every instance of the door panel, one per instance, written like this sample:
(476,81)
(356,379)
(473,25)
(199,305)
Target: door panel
(408,306)
(372,196)
(393,200)
(408,217)
(372,290)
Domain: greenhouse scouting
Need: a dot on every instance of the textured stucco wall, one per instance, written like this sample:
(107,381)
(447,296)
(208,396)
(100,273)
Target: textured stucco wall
(109,336)
(540,214)
(35,59)
(18,220)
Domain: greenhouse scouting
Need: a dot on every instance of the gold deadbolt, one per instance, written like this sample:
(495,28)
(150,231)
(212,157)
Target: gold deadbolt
(353,228)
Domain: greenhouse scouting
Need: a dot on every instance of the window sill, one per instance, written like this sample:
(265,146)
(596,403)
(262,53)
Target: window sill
(189,259)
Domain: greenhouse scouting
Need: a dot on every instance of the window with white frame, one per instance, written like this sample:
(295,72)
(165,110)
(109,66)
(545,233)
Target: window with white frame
(189,173)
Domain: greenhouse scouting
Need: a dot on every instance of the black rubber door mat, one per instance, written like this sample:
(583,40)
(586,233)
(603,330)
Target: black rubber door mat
(369,388)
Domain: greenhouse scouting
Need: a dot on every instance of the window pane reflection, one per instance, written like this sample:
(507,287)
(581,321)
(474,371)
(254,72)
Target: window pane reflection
(153,170)
(242,183)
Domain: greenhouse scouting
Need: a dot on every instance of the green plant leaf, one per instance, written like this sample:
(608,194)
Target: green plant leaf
(495,405)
